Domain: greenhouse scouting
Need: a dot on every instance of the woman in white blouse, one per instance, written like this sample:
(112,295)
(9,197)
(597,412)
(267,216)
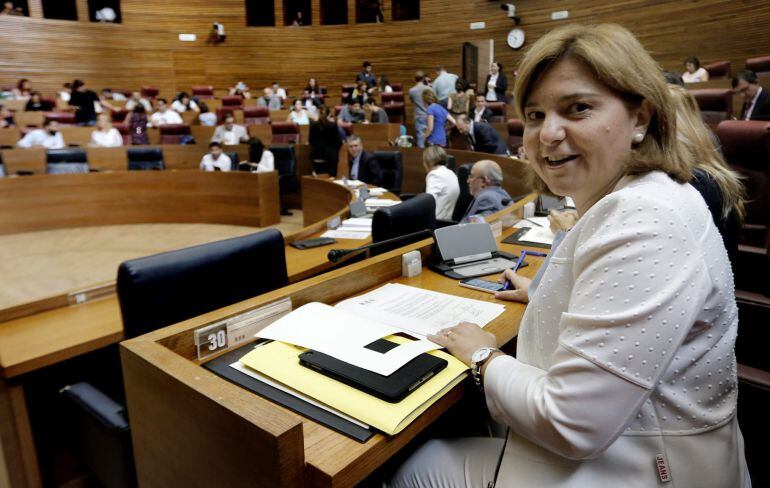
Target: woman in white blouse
(625,374)
(299,115)
(105,134)
(261,160)
(183,103)
(440,181)
(693,73)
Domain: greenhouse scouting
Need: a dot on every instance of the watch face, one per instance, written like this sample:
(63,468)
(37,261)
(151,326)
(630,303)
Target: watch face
(516,38)
(481,354)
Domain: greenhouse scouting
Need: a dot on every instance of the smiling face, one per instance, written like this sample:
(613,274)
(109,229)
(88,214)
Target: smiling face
(578,133)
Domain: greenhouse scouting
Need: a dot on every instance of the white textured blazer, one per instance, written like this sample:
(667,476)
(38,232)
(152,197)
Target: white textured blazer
(442,183)
(626,375)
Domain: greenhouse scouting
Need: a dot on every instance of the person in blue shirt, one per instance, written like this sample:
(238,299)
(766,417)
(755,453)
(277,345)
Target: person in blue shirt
(437,117)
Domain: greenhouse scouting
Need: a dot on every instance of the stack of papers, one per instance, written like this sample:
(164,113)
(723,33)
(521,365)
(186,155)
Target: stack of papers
(377,192)
(539,230)
(380,202)
(355,228)
(350,183)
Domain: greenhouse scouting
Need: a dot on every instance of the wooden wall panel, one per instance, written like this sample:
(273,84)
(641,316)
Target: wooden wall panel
(145,49)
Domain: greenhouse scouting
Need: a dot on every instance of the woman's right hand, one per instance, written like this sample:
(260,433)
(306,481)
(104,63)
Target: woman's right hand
(518,291)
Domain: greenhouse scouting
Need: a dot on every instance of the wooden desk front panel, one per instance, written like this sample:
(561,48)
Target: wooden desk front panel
(9,136)
(60,201)
(31,160)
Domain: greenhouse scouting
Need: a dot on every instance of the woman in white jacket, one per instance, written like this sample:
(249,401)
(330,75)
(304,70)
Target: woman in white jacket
(625,373)
(440,181)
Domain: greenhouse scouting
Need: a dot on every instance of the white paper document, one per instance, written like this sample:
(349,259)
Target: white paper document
(377,192)
(344,336)
(353,233)
(358,222)
(380,202)
(534,222)
(540,235)
(350,183)
(417,311)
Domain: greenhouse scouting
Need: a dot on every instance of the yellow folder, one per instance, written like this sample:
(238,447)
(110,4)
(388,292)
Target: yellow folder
(279,361)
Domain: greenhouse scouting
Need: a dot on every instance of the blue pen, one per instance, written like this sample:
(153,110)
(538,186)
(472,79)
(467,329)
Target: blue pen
(515,267)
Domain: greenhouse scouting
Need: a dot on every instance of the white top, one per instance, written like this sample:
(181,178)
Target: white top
(625,351)
(167,117)
(181,108)
(280,92)
(208,163)
(266,163)
(699,75)
(441,182)
(41,137)
(299,118)
(231,137)
(491,93)
(131,103)
(209,119)
(106,14)
(110,138)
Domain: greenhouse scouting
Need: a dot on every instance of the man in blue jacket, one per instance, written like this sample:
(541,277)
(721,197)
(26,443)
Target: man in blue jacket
(485,184)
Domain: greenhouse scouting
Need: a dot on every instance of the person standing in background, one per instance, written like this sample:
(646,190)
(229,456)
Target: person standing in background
(420,110)
(496,83)
(84,101)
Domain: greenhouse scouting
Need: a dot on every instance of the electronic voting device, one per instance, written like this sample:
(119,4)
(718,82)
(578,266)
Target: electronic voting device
(468,251)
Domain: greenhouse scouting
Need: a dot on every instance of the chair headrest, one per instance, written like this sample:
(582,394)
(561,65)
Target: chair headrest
(515,127)
(144,153)
(174,129)
(759,64)
(284,128)
(718,69)
(256,112)
(746,143)
(416,214)
(714,99)
(68,155)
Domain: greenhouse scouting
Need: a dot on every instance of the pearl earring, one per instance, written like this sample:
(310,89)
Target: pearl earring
(638,137)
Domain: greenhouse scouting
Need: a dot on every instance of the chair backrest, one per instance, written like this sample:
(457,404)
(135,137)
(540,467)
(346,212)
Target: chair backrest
(256,115)
(285,159)
(125,132)
(232,101)
(392,97)
(163,289)
(718,70)
(451,163)
(285,132)
(515,134)
(716,104)
(63,118)
(392,167)
(145,158)
(346,89)
(396,112)
(222,112)
(150,91)
(204,92)
(65,161)
(465,198)
(759,65)
(397,87)
(49,103)
(746,146)
(499,112)
(416,214)
(119,115)
(173,133)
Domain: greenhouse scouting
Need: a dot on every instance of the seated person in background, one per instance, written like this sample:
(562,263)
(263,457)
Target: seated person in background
(367,77)
(165,115)
(299,115)
(35,103)
(241,89)
(105,134)
(215,160)
(261,160)
(481,137)
(693,73)
(269,100)
(313,88)
(756,104)
(377,115)
(311,103)
(23,89)
(325,141)
(65,93)
(105,14)
(105,97)
(9,9)
(480,111)
(48,137)
(440,181)
(352,112)
(459,102)
(6,117)
(363,166)
(137,99)
(85,101)
(137,125)
(279,91)
(360,92)
(206,117)
(183,103)
(230,133)
(485,184)
(385,86)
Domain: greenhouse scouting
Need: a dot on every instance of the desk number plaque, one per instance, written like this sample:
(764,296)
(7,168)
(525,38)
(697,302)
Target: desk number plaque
(233,331)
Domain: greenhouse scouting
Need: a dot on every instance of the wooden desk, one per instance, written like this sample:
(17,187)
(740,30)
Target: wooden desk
(252,441)
(9,136)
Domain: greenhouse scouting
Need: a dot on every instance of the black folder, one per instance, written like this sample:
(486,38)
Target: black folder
(221,367)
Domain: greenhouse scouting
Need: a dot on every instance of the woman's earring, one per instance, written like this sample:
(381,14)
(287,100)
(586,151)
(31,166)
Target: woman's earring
(638,137)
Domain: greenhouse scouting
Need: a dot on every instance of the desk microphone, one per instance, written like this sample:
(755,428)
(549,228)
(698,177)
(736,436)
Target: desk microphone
(337,255)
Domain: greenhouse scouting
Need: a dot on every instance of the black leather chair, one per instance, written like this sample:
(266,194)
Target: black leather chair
(416,214)
(465,198)
(451,162)
(286,165)
(68,160)
(392,170)
(157,291)
(145,158)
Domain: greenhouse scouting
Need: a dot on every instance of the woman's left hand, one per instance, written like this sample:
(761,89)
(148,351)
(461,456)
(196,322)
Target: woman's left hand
(463,340)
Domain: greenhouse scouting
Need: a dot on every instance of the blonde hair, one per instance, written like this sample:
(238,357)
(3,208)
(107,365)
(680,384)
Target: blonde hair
(696,147)
(432,156)
(622,64)
(429,97)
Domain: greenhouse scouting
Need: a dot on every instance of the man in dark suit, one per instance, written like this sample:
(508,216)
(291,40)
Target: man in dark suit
(756,104)
(480,111)
(481,137)
(362,165)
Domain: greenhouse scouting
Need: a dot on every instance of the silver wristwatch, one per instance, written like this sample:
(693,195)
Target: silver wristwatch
(477,362)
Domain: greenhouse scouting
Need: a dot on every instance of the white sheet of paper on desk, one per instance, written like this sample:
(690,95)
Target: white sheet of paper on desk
(380,202)
(346,234)
(531,221)
(350,183)
(417,311)
(358,222)
(541,235)
(343,335)
(377,192)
